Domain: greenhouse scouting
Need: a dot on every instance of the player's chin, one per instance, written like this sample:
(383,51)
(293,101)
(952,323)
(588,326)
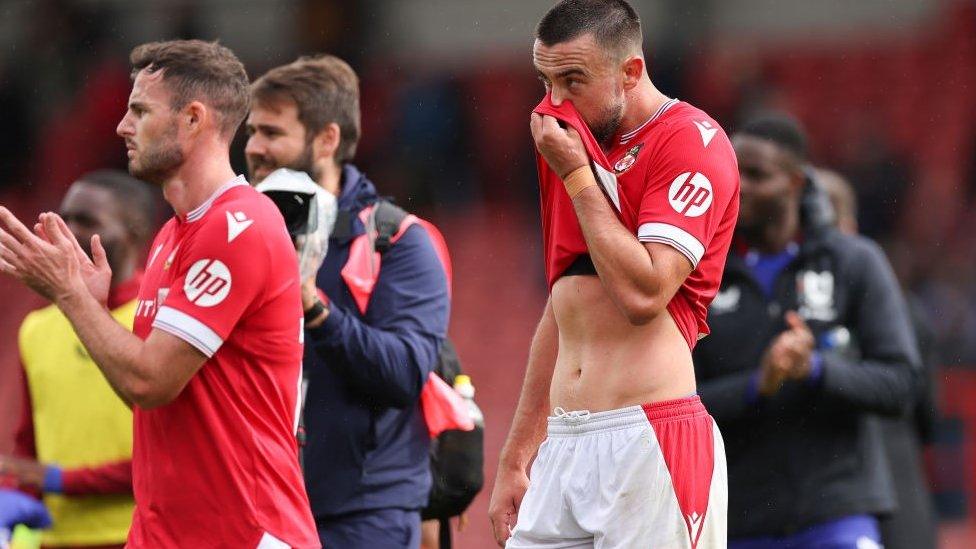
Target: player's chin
(257,174)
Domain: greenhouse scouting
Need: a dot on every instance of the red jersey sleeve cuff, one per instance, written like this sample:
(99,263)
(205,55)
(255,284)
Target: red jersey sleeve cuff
(110,478)
(675,237)
(188,329)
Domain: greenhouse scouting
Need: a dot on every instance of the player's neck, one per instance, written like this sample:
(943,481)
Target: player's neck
(330,177)
(198,179)
(642,102)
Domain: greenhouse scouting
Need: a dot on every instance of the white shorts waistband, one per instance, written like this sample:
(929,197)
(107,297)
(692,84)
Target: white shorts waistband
(581,422)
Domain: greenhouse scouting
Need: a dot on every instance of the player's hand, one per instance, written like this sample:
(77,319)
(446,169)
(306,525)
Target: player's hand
(51,268)
(309,293)
(310,296)
(25,472)
(774,368)
(790,356)
(798,346)
(562,148)
(506,499)
(95,270)
(315,246)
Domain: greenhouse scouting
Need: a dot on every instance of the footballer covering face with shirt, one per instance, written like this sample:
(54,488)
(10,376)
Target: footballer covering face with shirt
(639,197)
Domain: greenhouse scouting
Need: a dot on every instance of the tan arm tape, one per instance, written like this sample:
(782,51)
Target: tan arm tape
(578,180)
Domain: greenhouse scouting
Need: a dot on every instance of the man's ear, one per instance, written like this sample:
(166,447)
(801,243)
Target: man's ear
(195,115)
(633,71)
(326,143)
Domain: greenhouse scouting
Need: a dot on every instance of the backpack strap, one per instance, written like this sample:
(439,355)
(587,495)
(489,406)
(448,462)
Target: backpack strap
(388,220)
(385,223)
(391,221)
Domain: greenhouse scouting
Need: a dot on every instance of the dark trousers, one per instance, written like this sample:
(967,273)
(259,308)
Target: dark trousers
(855,532)
(373,529)
(912,525)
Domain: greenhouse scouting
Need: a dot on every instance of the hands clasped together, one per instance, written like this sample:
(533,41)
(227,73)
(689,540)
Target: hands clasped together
(50,261)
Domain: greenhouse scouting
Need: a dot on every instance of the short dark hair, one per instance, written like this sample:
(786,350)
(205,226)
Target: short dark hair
(780,128)
(202,71)
(614,24)
(324,89)
(137,203)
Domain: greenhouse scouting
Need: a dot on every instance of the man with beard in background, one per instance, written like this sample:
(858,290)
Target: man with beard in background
(370,349)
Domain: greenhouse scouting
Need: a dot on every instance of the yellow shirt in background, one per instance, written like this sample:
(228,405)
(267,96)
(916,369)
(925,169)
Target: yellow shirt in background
(78,422)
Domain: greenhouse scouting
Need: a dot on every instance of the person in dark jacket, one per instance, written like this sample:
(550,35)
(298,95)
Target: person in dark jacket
(368,350)
(811,342)
(912,524)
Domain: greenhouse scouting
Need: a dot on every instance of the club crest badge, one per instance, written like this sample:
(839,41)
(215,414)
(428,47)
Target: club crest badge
(627,160)
(169,260)
(726,301)
(816,295)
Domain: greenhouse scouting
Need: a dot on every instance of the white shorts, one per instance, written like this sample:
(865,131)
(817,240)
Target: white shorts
(648,477)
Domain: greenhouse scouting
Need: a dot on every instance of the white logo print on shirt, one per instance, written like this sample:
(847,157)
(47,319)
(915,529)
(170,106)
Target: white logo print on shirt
(690,194)
(207,282)
(237,223)
(706,130)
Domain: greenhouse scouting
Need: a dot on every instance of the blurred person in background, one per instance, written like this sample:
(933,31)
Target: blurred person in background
(843,199)
(212,369)
(634,253)
(912,524)
(369,350)
(810,342)
(74,443)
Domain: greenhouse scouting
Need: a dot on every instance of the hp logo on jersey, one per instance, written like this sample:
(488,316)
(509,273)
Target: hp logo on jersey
(207,283)
(690,194)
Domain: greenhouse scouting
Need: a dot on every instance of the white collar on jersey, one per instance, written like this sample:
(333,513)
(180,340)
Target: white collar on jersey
(630,135)
(202,209)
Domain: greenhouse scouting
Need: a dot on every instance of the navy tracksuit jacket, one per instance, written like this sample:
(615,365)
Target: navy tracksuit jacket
(367,444)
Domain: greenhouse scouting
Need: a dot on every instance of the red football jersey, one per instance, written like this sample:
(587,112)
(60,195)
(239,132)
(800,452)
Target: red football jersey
(675,180)
(218,466)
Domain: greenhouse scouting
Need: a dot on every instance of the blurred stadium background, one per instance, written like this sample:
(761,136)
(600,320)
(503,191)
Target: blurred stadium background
(887,89)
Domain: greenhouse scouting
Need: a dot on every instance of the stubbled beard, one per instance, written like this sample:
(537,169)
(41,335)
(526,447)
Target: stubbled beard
(762,216)
(303,163)
(604,129)
(160,161)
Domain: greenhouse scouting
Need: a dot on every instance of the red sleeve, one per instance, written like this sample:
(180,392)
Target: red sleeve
(222,274)
(110,478)
(688,188)
(24,445)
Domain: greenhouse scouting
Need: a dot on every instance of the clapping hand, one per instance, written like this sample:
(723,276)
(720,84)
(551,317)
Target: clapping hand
(788,357)
(50,261)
